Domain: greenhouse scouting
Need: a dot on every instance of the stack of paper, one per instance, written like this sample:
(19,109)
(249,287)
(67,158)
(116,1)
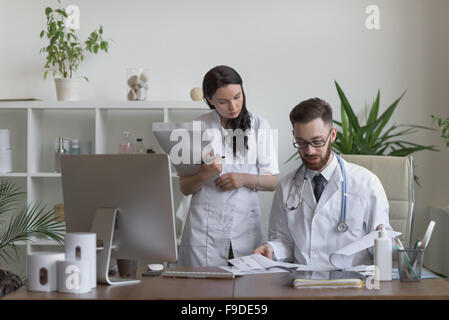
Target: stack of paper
(336,283)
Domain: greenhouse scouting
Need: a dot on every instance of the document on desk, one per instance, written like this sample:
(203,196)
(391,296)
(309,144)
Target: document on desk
(259,262)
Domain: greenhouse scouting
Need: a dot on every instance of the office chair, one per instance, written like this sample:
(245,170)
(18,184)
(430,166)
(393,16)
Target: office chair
(397,178)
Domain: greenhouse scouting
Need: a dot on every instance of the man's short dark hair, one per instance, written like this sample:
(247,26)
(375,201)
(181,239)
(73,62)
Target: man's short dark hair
(311,109)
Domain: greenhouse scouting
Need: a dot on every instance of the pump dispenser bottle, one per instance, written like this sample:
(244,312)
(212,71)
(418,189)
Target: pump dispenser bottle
(382,256)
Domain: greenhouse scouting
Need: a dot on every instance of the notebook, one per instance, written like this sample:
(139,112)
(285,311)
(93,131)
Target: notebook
(328,279)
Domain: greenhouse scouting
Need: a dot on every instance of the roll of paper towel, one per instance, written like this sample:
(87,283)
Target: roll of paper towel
(74,276)
(83,246)
(5,140)
(5,161)
(43,270)
(5,151)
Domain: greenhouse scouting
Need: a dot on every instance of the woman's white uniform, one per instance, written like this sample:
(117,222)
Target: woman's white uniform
(218,218)
(308,234)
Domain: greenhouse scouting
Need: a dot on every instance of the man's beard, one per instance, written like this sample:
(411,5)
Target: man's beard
(320,165)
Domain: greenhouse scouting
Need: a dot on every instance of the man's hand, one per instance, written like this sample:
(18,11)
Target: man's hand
(266,250)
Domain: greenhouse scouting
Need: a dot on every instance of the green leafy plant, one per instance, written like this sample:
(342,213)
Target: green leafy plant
(444,127)
(65,51)
(374,138)
(32,221)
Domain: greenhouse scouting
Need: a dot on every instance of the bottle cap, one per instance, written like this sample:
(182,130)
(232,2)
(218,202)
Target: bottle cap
(383,232)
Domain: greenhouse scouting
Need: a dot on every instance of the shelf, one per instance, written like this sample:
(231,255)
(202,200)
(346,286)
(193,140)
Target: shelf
(13,174)
(46,175)
(36,125)
(187,105)
(37,242)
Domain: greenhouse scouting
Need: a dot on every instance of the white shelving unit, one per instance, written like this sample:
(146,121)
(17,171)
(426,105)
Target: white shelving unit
(35,124)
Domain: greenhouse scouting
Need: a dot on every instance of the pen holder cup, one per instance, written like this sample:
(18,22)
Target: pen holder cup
(410,264)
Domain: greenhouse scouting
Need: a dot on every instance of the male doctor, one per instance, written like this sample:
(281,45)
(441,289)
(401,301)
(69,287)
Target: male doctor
(306,223)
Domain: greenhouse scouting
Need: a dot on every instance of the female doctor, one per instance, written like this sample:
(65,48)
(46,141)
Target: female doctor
(224,217)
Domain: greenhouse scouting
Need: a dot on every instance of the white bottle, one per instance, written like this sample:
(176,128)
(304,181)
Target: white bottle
(382,256)
(75,149)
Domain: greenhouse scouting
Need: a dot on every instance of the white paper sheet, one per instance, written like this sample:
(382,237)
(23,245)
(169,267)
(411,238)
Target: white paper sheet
(258,262)
(365,242)
(238,272)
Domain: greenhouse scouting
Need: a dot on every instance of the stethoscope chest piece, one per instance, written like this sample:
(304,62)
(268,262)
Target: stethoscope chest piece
(342,226)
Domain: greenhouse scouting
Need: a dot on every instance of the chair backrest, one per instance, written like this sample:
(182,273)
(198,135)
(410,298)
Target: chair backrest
(397,178)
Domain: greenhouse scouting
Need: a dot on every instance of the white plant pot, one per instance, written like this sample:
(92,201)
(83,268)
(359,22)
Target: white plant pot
(67,89)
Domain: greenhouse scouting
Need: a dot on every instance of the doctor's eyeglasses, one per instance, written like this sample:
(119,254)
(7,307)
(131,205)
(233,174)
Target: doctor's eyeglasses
(315,143)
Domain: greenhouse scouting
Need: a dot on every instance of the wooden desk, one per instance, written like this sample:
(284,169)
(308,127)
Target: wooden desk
(148,289)
(279,286)
(271,286)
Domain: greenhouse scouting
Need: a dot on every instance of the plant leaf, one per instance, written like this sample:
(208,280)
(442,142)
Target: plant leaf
(348,109)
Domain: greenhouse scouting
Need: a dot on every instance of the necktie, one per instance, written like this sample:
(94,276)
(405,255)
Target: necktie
(319,186)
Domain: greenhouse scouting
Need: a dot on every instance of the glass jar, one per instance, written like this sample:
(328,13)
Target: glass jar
(137,84)
(140,147)
(126,146)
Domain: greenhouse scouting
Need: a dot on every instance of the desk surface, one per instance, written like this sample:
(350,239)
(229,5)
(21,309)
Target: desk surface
(260,286)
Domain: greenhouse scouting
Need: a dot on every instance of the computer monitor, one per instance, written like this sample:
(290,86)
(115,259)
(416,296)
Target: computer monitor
(140,187)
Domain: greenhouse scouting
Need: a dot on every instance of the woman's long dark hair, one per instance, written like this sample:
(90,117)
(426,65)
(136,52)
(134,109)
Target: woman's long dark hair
(221,76)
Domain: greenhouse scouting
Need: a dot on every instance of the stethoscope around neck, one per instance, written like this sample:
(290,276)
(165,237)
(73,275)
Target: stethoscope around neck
(293,203)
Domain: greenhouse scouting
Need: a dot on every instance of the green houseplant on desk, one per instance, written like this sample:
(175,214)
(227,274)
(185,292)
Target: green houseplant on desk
(30,222)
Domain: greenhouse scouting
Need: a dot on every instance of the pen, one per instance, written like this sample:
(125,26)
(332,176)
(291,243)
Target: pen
(406,261)
(202,162)
(399,246)
(417,244)
(427,235)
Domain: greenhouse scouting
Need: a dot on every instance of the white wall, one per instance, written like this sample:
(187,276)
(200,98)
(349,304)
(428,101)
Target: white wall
(286,51)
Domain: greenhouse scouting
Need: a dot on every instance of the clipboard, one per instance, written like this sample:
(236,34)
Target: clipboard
(177,138)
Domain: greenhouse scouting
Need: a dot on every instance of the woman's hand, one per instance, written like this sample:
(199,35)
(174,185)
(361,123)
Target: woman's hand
(230,181)
(213,168)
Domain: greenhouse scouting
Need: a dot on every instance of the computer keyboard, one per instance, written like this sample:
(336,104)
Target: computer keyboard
(198,274)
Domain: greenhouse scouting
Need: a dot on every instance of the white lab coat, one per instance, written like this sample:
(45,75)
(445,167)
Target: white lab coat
(216,218)
(308,234)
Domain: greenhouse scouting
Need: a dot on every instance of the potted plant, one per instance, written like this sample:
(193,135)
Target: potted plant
(32,221)
(373,138)
(444,127)
(65,52)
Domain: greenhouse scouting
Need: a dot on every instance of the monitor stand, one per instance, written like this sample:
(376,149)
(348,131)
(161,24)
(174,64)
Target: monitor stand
(103,226)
